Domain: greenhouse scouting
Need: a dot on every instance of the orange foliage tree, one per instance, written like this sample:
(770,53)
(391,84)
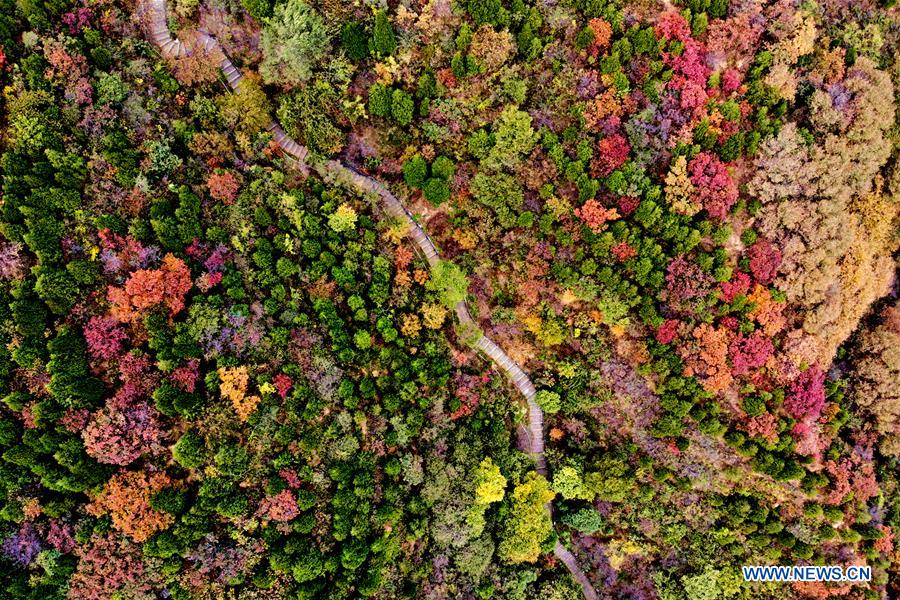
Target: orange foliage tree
(595,215)
(126,498)
(706,357)
(233,383)
(146,289)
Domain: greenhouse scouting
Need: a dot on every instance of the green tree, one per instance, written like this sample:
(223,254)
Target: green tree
(380,100)
(402,107)
(548,401)
(362,340)
(415,170)
(188,450)
(258,9)
(111,89)
(513,137)
(704,586)
(57,288)
(307,565)
(248,109)
(449,282)
(586,520)
(355,41)
(568,483)
(611,481)
(488,12)
(443,167)
(436,191)
(384,42)
(306,114)
(501,193)
(294,41)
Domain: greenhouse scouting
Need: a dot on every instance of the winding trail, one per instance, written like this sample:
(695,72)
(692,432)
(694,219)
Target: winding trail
(172,47)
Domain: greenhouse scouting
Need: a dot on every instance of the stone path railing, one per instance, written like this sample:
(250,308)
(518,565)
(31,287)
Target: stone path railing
(172,47)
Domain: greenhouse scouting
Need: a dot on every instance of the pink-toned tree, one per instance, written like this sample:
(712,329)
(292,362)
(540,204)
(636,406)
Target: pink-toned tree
(672,26)
(716,190)
(806,394)
(749,352)
(109,566)
(764,426)
(104,337)
(732,42)
(12,262)
(124,429)
(61,536)
(686,284)
(764,258)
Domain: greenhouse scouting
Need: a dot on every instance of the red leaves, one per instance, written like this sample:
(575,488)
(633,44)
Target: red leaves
(622,251)
(628,204)
(614,151)
(104,337)
(224,186)
(402,257)
(126,497)
(283,384)
(672,25)
(685,280)
(282,507)
(739,285)
(602,34)
(109,566)
(595,215)
(764,260)
(146,289)
(186,376)
(749,352)
(731,81)
(806,395)
(667,332)
(123,430)
(716,190)
(705,357)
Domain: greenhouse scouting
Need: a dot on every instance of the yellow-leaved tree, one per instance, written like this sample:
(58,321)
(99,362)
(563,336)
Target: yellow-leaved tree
(490,487)
(529,523)
(233,386)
